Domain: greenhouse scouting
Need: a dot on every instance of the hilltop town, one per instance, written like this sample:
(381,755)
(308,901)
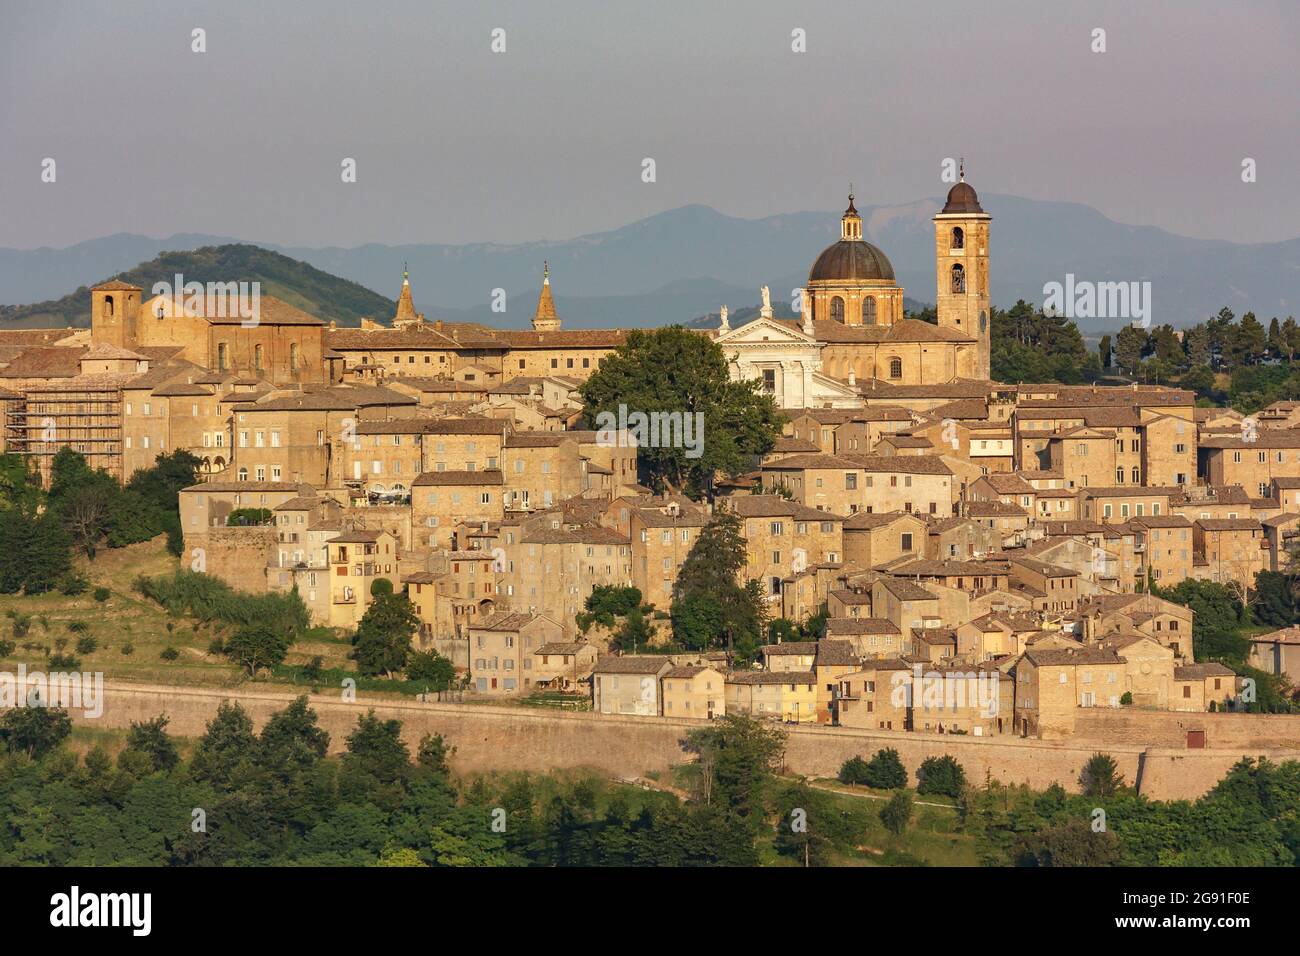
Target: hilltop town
(933,551)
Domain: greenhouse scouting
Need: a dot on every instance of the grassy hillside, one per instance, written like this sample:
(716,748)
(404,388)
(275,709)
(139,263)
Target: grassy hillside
(315,292)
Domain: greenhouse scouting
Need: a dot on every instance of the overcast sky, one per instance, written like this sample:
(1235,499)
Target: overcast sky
(457,144)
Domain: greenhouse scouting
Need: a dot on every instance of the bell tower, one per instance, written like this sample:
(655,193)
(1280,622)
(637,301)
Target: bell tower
(961,265)
(114,312)
(545,319)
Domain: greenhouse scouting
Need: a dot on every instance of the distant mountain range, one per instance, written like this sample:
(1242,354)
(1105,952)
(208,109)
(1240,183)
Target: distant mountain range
(679,265)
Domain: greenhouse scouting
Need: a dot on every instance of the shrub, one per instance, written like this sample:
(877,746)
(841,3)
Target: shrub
(1100,777)
(1126,699)
(169,653)
(6,648)
(78,627)
(380,587)
(64,662)
(73,584)
(102,594)
(943,776)
(428,667)
(896,814)
(313,668)
(87,645)
(885,771)
(21,623)
(216,646)
(854,770)
(212,601)
(128,648)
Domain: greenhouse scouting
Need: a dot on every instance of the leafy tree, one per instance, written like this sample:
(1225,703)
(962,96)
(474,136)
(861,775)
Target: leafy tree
(897,813)
(943,776)
(1101,778)
(676,371)
(251,516)
(1070,843)
(1130,345)
(227,742)
(1275,599)
(34,731)
(148,739)
(431,669)
(607,602)
(257,646)
(635,632)
(853,770)
(377,763)
(738,758)
(434,753)
(382,641)
(885,771)
(710,607)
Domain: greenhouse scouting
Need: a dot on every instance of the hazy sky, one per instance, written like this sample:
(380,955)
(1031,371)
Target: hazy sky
(457,144)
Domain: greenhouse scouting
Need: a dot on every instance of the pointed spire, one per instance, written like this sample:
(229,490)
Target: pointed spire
(961,167)
(405,304)
(851,222)
(546,319)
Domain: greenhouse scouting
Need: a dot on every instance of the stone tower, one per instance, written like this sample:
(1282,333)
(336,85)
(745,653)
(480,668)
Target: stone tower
(961,265)
(114,313)
(406,315)
(545,320)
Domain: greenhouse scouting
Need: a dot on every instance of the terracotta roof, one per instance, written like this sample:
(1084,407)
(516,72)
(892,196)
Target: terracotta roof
(631,665)
(489,476)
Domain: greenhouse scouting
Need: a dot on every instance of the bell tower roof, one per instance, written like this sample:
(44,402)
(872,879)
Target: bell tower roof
(546,319)
(405,304)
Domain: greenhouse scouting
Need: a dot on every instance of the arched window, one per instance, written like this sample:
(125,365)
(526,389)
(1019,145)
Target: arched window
(293,356)
(958,238)
(1137,476)
(869,310)
(958,279)
(108,305)
(1119,476)
(257,357)
(895,368)
(837,309)
(243,474)
(223,356)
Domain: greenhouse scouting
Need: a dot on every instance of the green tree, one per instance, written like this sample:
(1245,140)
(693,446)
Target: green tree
(738,759)
(897,813)
(149,741)
(943,776)
(885,771)
(680,372)
(34,731)
(257,646)
(1100,778)
(382,641)
(227,742)
(430,669)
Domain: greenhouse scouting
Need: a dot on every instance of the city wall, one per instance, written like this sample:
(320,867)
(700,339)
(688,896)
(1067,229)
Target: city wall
(510,738)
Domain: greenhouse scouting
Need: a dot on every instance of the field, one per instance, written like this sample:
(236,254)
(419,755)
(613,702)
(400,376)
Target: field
(131,633)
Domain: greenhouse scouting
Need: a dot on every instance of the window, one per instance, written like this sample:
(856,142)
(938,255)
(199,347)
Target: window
(958,238)
(906,543)
(895,368)
(837,309)
(257,357)
(869,310)
(958,280)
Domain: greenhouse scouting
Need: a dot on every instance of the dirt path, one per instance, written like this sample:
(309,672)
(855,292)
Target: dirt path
(874,796)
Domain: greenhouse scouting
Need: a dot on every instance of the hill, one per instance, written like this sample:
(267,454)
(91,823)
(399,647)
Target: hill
(304,286)
(683,263)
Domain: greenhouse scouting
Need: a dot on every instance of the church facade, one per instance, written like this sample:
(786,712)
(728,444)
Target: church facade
(852,331)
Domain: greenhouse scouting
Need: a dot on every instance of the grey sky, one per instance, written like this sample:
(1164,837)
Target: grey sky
(457,144)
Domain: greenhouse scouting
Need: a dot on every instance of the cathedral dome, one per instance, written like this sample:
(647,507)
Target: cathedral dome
(851,260)
(962,198)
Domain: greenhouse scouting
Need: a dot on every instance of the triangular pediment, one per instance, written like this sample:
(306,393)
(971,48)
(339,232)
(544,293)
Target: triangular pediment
(765,331)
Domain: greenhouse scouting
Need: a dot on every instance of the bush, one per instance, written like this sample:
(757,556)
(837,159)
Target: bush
(943,776)
(6,648)
(102,594)
(380,587)
(885,771)
(64,662)
(216,646)
(73,584)
(169,653)
(87,645)
(210,600)
(78,627)
(854,770)
(896,814)
(313,669)
(429,667)
(1100,778)
(128,649)
(1126,699)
